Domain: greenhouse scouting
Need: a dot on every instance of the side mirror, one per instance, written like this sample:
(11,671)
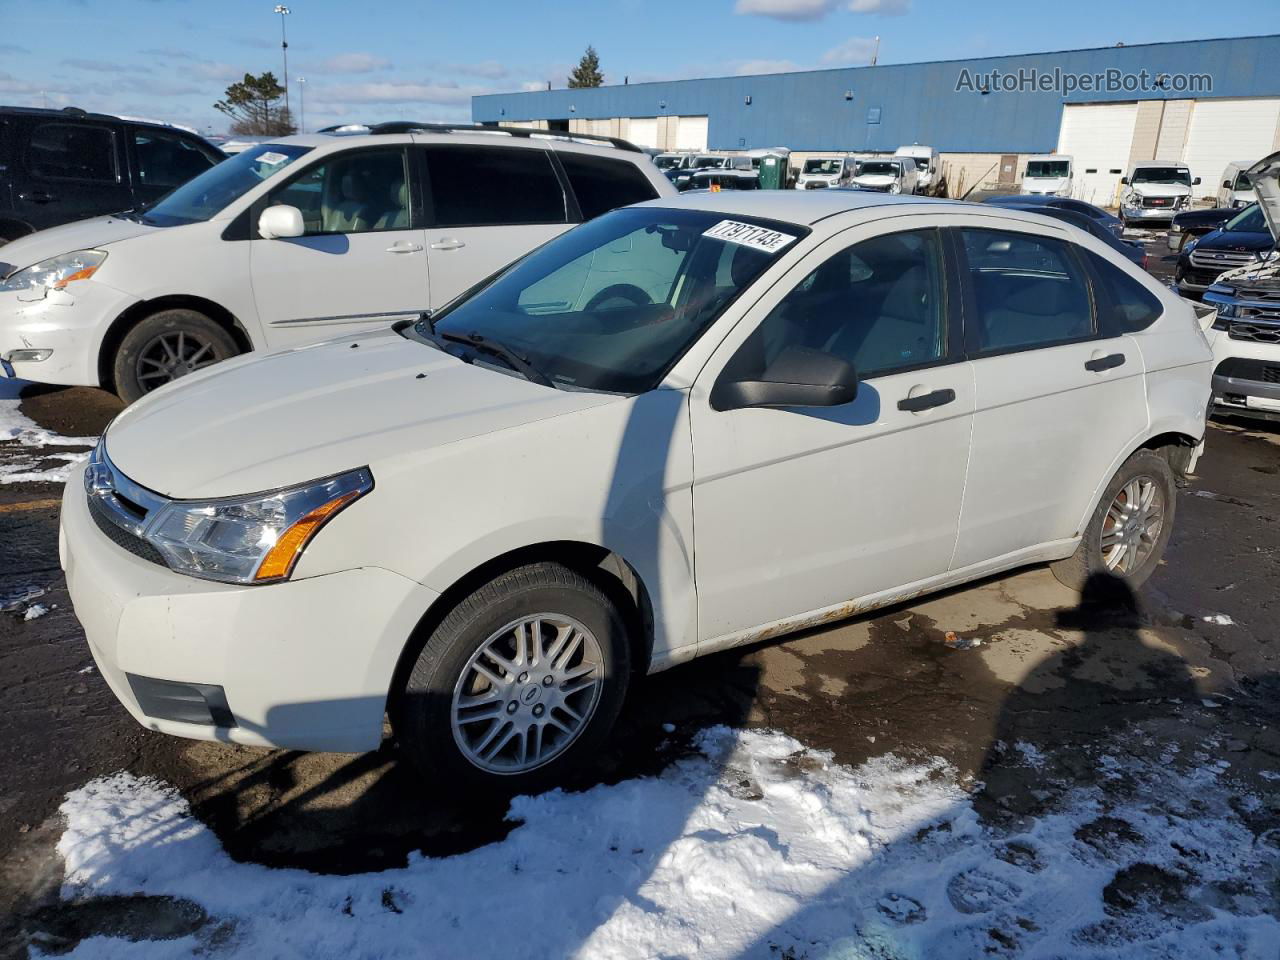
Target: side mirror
(798,377)
(1195,182)
(281,220)
(1124,181)
(1226,184)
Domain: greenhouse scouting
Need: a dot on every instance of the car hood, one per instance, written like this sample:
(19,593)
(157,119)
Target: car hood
(82,235)
(1264,174)
(875,179)
(1235,240)
(273,420)
(1160,189)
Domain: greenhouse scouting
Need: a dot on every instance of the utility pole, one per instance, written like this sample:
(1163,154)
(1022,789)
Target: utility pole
(875,54)
(302,104)
(284,48)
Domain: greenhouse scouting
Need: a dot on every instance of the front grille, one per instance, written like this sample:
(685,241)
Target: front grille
(1220,260)
(1271,374)
(1257,332)
(815,185)
(1161,202)
(123,538)
(1246,368)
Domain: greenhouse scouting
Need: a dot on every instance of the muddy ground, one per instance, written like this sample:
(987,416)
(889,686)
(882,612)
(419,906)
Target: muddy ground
(1192,662)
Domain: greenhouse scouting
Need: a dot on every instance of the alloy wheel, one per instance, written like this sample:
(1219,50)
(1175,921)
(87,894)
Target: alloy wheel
(527,693)
(170,356)
(1132,526)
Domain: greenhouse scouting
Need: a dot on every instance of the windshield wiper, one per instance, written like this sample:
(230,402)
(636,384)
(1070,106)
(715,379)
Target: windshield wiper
(494,348)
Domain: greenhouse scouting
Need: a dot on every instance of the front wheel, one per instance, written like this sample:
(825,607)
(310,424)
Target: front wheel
(1130,528)
(166,346)
(519,683)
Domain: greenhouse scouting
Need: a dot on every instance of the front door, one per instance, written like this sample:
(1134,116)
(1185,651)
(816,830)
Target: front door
(162,160)
(68,170)
(488,206)
(1057,401)
(801,509)
(360,265)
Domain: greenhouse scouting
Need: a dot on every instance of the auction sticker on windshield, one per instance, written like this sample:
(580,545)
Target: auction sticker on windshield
(749,235)
(273,158)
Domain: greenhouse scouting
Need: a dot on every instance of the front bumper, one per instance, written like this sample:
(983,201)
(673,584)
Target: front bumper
(69,323)
(1246,377)
(306,664)
(1150,213)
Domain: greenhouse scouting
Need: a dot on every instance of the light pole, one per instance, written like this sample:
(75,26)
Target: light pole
(302,104)
(284,48)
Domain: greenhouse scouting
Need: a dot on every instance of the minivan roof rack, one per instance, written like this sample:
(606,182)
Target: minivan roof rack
(409,126)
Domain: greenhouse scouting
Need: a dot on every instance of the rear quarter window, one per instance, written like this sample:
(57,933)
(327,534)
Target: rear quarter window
(602,184)
(1124,304)
(493,186)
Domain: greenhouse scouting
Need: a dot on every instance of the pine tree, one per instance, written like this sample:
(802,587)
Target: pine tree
(587,72)
(254,107)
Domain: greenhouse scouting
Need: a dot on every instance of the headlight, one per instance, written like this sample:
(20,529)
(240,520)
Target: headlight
(252,539)
(56,272)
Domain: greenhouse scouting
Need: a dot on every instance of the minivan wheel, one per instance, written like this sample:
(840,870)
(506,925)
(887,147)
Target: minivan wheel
(167,346)
(1130,528)
(521,681)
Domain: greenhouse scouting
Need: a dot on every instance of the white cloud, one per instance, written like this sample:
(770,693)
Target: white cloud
(786,9)
(353,63)
(529,86)
(394,92)
(886,8)
(750,67)
(855,51)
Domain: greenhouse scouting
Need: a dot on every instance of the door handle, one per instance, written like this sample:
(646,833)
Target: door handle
(404,246)
(37,196)
(1098,364)
(447,243)
(927,401)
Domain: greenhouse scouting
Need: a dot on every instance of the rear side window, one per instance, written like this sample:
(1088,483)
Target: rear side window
(493,186)
(1124,304)
(165,160)
(72,151)
(602,184)
(1025,290)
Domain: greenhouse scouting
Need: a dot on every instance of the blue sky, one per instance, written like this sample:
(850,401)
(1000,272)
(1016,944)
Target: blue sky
(385,59)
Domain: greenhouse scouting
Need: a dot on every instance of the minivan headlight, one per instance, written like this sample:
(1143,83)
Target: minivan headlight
(56,272)
(254,539)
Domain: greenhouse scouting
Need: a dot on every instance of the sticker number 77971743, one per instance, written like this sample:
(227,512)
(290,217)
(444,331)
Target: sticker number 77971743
(749,235)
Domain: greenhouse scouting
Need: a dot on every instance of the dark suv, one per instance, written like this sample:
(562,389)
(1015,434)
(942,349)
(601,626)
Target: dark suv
(57,166)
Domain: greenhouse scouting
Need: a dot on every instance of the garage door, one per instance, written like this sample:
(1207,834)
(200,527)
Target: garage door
(691,134)
(1097,136)
(1225,130)
(643,131)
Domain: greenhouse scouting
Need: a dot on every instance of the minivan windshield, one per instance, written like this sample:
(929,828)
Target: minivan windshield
(822,165)
(710,161)
(1162,175)
(614,303)
(667,161)
(1243,182)
(1250,220)
(209,194)
(1044,169)
(879,167)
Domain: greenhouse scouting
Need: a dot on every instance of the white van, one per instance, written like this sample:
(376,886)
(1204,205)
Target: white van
(928,171)
(1050,175)
(1237,189)
(819,172)
(887,175)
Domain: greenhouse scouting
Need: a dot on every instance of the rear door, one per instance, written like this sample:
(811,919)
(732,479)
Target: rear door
(69,170)
(488,205)
(1057,399)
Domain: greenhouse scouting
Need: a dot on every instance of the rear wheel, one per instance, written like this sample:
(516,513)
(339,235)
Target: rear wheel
(167,346)
(1130,528)
(518,684)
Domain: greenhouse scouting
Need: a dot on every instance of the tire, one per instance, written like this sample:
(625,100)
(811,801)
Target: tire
(137,366)
(1143,553)
(482,751)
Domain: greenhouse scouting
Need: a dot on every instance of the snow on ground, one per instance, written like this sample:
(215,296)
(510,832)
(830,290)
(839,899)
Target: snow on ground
(21,439)
(753,847)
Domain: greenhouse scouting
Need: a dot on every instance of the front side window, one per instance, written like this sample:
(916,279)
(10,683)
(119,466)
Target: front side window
(878,305)
(1026,291)
(357,192)
(165,160)
(1124,304)
(1250,221)
(210,193)
(612,304)
(494,186)
(73,151)
(602,184)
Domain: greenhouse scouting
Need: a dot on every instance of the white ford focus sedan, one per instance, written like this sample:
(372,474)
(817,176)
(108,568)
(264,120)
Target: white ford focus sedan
(686,425)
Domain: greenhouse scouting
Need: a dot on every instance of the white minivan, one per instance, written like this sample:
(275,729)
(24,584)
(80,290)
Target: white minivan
(1237,189)
(297,240)
(686,425)
(928,167)
(887,175)
(1050,175)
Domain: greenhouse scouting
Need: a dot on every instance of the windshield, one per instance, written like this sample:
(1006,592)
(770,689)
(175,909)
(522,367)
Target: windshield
(1243,182)
(1037,169)
(1162,175)
(612,304)
(1250,220)
(824,166)
(667,161)
(709,161)
(208,194)
(879,167)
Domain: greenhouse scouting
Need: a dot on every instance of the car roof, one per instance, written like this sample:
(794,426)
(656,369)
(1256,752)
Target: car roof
(75,113)
(797,206)
(1157,163)
(396,133)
